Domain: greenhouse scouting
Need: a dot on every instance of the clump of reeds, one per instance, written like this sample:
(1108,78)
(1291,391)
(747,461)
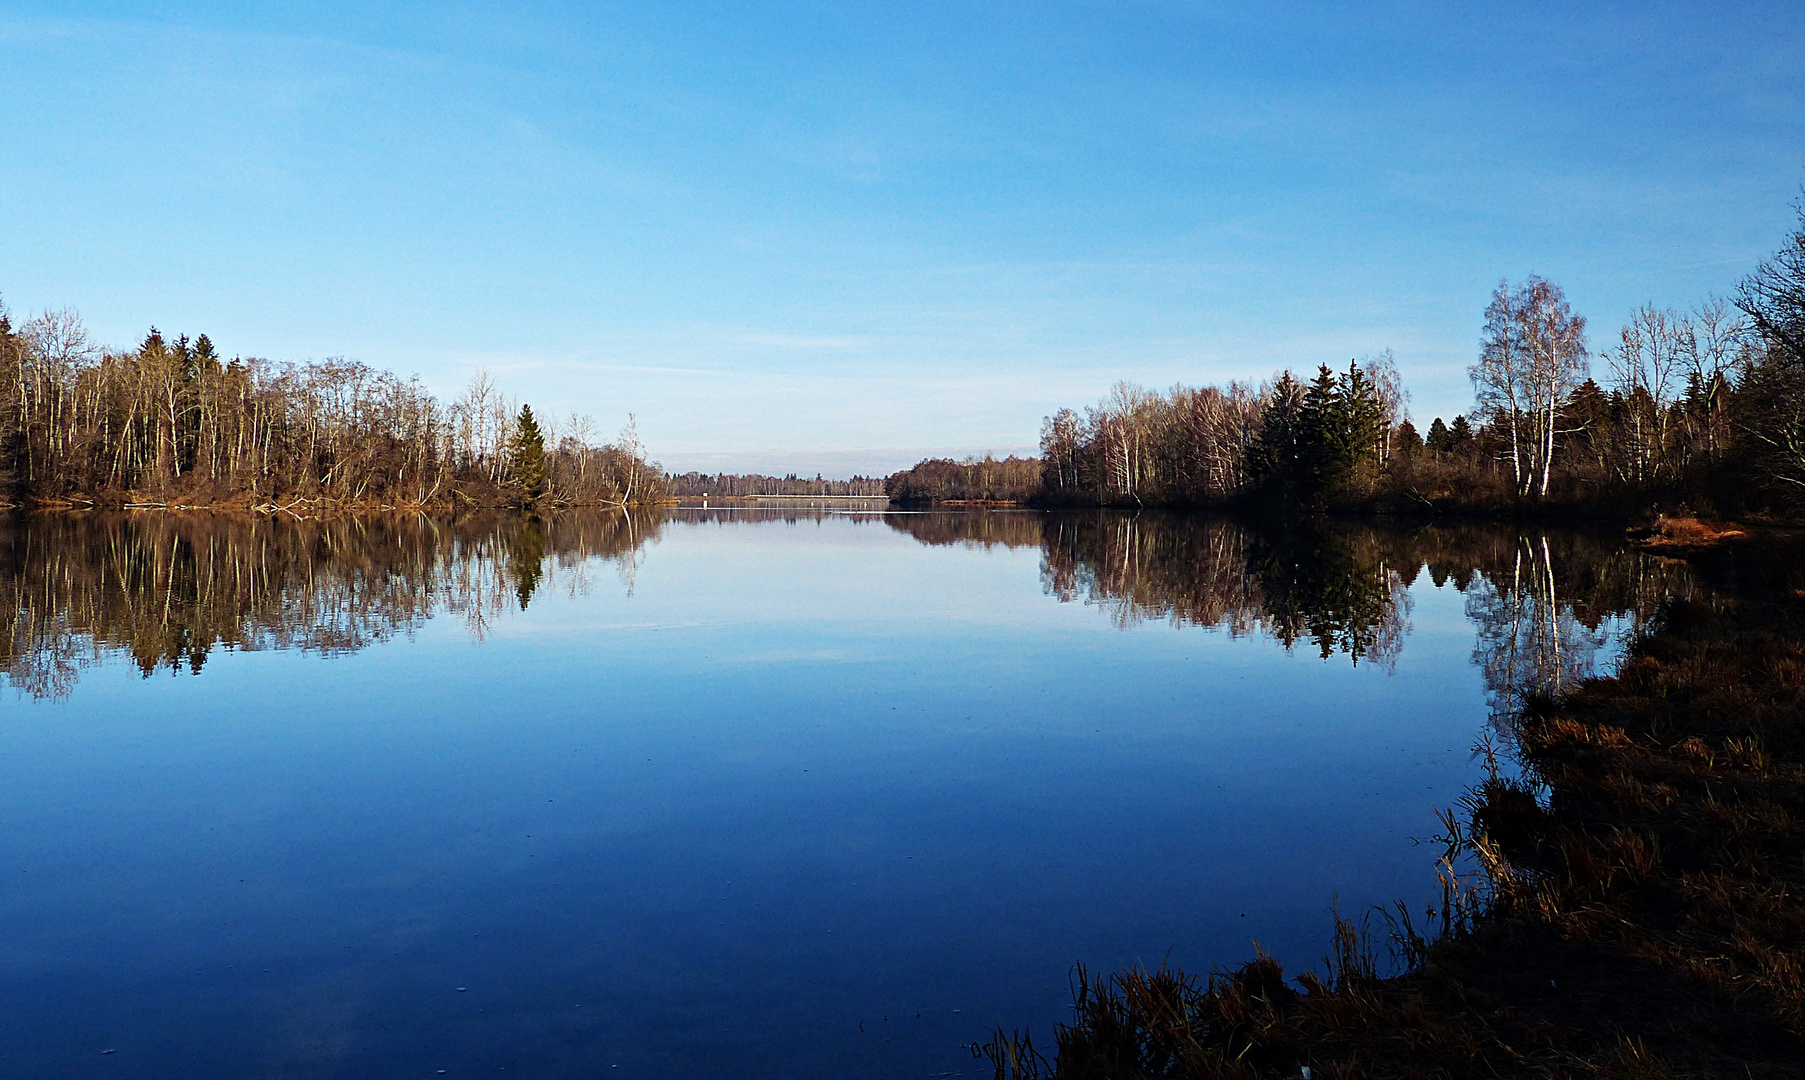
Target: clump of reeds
(1636,911)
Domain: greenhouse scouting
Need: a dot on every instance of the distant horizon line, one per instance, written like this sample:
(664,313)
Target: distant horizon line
(835,464)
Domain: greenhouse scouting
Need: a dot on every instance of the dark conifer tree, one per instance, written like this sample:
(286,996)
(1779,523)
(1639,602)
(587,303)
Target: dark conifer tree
(1363,417)
(1460,435)
(1326,443)
(1439,440)
(1409,443)
(526,457)
(1273,458)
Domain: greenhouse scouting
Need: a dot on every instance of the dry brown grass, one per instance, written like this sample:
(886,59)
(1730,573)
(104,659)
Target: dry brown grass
(1684,533)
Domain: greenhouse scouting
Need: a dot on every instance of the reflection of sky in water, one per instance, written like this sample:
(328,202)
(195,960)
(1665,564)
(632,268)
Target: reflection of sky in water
(814,799)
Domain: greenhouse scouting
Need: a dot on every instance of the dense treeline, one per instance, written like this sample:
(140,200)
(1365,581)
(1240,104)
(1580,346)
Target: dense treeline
(738,485)
(935,480)
(174,422)
(1704,407)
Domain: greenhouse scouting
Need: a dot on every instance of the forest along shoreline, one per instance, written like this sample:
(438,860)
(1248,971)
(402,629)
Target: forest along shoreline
(1696,412)
(1634,905)
(173,424)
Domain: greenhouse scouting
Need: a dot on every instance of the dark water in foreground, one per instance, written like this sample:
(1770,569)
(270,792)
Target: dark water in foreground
(718,793)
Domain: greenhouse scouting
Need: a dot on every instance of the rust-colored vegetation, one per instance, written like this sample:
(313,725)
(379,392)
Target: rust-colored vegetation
(1677,535)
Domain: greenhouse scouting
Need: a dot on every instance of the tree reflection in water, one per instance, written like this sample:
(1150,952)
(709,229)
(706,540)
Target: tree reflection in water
(1298,583)
(1542,601)
(168,589)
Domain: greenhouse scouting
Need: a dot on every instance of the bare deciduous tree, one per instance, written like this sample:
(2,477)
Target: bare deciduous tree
(1532,356)
(1647,368)
(1393,398)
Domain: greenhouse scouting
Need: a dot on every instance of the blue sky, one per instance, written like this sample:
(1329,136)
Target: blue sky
(837,237)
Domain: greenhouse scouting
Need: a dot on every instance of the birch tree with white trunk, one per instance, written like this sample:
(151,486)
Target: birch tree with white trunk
(1532,356)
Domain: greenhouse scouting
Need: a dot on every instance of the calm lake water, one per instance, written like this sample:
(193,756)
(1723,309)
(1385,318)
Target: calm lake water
(755,794)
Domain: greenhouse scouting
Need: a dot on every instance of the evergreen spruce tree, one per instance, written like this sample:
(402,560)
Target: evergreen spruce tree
(1439,440)
(1408,442)
(1588,418)
(1326,439)
(1363,415)
(1273,458)
(1460,435)
(526,457)
(206,359)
